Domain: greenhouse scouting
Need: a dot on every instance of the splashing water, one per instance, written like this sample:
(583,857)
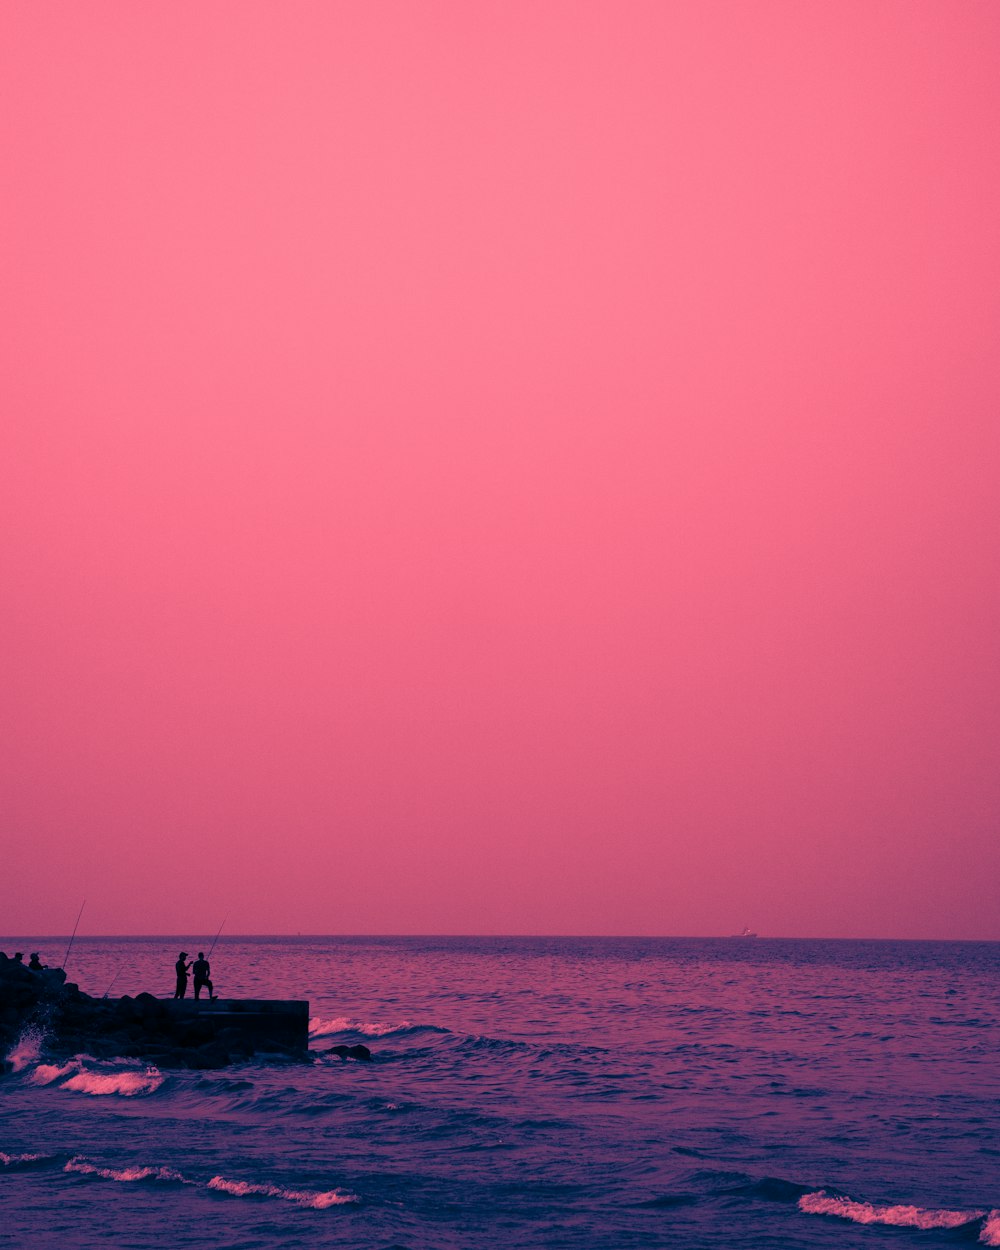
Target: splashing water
(27,1050)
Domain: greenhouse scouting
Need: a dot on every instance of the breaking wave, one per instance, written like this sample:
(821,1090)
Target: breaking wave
(824,1202)
(319,1027)
(990,1236)
(900,1215)
(128,1081)
(79,1164)
(46,1073)
(304,1197)
(317,1199)
(23,1160)
(126,1084)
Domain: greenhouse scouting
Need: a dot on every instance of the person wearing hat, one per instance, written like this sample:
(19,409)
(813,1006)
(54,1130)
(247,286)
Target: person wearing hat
(181,968)
(35,964)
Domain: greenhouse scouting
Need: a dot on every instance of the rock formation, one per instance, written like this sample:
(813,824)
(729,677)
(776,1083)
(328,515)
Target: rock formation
(185,1034)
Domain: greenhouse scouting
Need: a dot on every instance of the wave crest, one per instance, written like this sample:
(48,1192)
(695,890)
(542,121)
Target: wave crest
(79,1164)
(128,1082)
(46,1073)
(304,1197)
(318,1027)
(319,1200)
(22,1160)
(990,1236)
(898,1216)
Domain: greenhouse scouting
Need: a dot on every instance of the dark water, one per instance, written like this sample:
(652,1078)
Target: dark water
(534,1093)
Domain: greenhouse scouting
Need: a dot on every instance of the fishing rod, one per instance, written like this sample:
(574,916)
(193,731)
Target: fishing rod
(113,980)
(73,935)
(212,947)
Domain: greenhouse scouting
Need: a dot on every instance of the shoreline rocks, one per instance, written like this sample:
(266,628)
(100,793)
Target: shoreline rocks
(184,1033)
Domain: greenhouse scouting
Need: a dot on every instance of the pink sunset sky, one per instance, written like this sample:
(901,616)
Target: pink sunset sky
(500,467)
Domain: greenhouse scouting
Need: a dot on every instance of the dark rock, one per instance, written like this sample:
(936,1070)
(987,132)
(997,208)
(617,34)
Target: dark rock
(212,1055)
(196,1034)
(149,1008)
(351,1052)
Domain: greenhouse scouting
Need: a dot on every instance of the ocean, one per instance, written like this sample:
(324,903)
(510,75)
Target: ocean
(593,1093)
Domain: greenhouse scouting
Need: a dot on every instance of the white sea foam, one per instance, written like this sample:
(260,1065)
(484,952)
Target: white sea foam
(343,1024)
(317,1199)
(46,1073)
(11,1161)
(128,1084)
(304,1197)
(319,1027)
(901,1216)
(79,1164)
(990,1236)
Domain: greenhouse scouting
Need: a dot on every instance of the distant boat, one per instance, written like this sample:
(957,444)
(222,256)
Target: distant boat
(745,934)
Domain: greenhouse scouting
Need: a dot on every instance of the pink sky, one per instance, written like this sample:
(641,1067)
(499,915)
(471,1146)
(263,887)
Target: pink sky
(500,467)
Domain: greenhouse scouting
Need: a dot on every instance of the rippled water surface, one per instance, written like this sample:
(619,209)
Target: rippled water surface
(597,1093)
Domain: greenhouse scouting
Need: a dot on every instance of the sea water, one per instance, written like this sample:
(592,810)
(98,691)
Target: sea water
(550,1092)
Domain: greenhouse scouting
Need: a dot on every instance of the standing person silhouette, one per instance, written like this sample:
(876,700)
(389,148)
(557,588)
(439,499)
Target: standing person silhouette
(202,972)
(181,968)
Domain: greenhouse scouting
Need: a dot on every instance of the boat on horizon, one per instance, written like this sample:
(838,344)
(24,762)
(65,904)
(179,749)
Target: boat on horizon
(745,934)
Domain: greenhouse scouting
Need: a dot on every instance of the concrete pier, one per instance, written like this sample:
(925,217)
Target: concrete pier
(283,1023)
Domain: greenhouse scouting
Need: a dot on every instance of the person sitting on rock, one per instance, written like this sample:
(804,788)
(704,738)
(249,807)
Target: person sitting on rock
(35,964)
(181,968)
(202,972)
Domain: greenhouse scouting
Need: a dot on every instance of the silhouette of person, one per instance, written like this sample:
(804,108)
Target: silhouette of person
(181,968)
(19,957)
(35,964)
(202,972)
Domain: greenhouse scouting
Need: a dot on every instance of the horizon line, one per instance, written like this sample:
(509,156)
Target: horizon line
(576,937)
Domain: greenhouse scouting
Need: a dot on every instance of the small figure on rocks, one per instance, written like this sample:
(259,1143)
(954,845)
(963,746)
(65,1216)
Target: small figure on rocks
(19,957)
(181,968)
(35,964)
(202,973)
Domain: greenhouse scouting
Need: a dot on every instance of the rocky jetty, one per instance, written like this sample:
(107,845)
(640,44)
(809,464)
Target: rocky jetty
(168,1033)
